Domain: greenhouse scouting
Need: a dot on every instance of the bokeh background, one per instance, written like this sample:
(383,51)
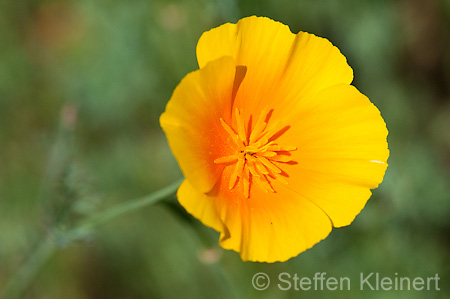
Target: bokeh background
(82,85)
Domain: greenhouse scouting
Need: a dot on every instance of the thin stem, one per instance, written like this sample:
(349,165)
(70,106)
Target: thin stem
(86,226)
(26,274)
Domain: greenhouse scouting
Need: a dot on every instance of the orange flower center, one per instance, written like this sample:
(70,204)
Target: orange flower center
(257,154)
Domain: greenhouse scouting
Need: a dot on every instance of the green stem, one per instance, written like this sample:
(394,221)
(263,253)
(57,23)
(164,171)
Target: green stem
(25,275)
(19,283)
(86,226)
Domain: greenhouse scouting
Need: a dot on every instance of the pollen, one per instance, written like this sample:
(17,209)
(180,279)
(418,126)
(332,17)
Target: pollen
(257,157)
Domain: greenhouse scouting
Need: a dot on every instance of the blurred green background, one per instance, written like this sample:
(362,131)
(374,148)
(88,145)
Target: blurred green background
(82,85)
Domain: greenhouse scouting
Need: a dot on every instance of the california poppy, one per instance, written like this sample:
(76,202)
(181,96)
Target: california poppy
(275,144)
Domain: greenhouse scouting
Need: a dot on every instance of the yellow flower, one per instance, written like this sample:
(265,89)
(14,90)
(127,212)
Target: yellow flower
(275,144)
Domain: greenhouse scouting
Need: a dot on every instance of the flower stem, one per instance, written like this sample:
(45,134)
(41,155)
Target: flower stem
(20,282)
(98,219)
(25,275)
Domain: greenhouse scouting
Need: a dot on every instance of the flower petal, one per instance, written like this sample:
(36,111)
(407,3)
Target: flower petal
(341,151)
(265,227)
(191,121)
(281,65)
(199,205)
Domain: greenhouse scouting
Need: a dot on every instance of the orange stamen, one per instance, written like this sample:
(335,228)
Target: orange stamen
(256,158)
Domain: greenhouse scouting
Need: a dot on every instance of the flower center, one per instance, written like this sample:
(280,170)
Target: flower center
(257,156)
